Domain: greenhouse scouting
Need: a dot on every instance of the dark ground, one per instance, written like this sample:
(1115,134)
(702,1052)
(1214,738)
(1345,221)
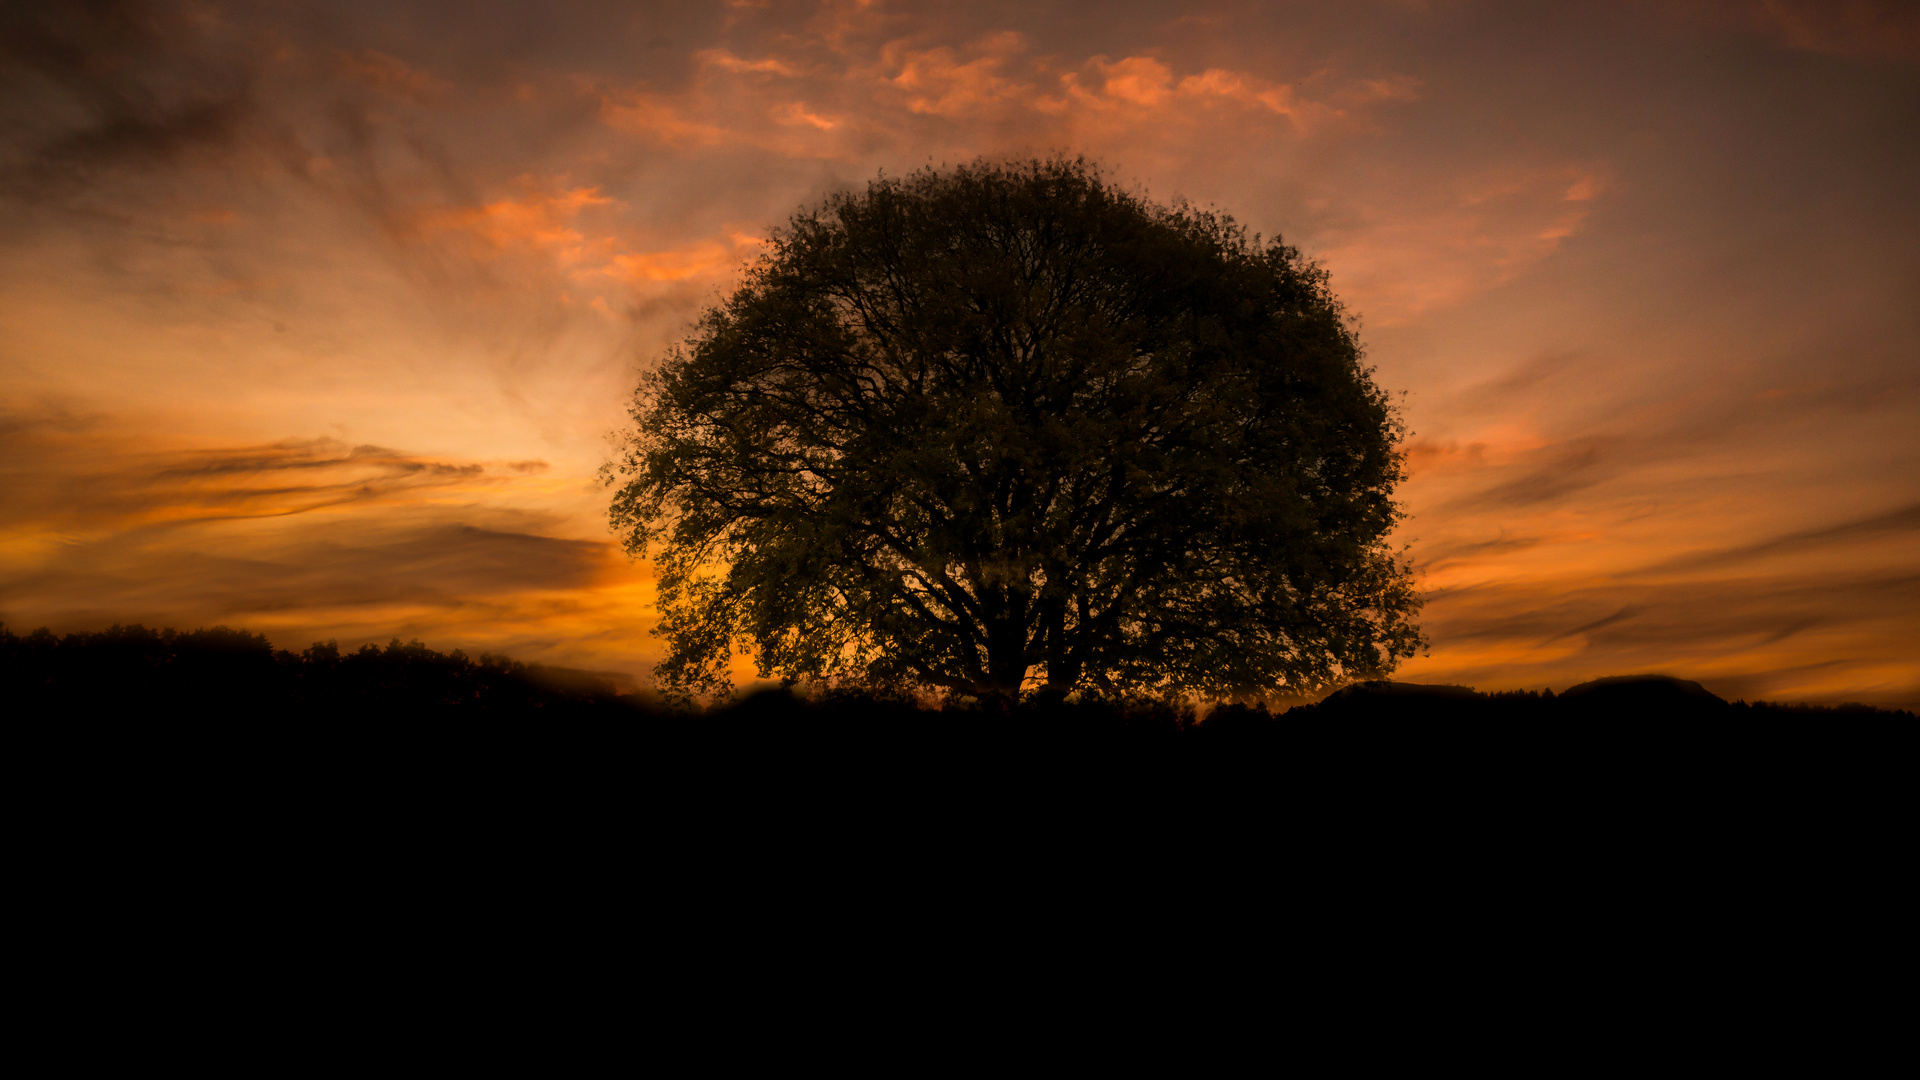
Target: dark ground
(224,706)
(197,808)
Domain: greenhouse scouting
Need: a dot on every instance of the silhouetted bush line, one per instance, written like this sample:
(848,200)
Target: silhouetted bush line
(226,672)
(1624,697)
(221,672)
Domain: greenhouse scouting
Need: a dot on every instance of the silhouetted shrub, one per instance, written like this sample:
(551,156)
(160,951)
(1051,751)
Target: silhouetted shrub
(134,673)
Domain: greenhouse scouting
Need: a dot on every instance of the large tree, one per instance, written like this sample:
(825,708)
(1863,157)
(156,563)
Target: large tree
(1010,427)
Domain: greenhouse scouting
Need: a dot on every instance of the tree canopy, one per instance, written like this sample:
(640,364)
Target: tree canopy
(1009,426)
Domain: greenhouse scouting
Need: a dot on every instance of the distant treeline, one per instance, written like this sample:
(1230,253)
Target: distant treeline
(133,670)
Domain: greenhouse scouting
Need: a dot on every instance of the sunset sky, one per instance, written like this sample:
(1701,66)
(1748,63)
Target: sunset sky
(315,319)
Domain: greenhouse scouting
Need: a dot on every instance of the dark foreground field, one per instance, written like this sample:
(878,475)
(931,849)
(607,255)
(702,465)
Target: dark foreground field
(417,753)
(323,811)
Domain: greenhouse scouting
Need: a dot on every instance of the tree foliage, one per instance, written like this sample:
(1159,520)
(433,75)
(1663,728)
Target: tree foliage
(1009,425)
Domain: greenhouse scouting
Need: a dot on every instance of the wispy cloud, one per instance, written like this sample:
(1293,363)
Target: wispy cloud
(303,539)
(1897,525)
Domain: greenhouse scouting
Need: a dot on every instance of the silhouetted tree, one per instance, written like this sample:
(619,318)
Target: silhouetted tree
(1008,421)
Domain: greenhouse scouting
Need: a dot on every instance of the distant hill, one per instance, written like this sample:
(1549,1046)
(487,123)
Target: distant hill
(133,671)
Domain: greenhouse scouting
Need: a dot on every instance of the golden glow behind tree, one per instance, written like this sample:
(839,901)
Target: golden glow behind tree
(1008,424)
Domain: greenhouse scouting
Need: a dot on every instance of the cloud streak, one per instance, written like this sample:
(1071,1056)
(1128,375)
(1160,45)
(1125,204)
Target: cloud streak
(1898,526)
(303,539)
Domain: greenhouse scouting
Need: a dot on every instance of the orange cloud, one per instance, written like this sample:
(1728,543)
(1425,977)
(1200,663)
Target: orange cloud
(536,220)
(991,79)
(1137,79)
(657,120)
(936,82)
(726,61)
(545,222)
(667,265)
(795,113)
(1141,89)
(1397,261)
(705,258)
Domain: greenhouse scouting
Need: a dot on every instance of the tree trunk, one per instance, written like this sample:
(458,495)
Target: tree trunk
(1006,661)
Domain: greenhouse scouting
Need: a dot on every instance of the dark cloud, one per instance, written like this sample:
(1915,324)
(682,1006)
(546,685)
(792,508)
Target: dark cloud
(305,538)
(1597,624)
(1701,626)
(453,568)
(1572,469)
(62,469)
(1855,29)
(1434,555)
(463,561)
(1905,520)
(1495,394)
(1698,612)
(476,42)
(103,86)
